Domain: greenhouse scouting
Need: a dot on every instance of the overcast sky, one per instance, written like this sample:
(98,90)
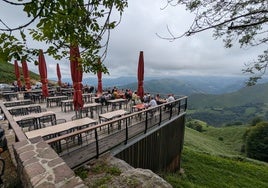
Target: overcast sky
(196,55)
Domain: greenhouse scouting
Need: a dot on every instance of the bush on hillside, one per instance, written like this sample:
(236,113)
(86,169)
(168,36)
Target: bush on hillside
(196,125)
(255,121)
(237,123)
(256,142)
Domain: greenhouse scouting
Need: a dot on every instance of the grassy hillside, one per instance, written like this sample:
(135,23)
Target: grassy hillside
(247,95)
(210,162)
(8,74)
(237,107)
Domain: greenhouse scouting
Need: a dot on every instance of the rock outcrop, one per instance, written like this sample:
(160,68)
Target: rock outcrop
(126,176)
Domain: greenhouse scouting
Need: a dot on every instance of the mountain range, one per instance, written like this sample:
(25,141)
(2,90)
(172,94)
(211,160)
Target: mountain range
(181,85)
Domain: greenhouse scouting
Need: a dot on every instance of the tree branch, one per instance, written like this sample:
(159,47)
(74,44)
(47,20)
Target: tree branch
(27,24)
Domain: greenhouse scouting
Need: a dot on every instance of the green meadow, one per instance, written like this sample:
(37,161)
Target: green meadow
(212,158)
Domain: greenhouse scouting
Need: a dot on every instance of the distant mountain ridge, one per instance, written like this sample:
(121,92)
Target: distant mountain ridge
(182,85)
(246,95)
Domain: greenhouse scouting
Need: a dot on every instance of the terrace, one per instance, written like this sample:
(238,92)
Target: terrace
(78,137)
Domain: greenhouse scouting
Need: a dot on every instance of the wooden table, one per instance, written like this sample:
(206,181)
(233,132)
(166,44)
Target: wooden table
(35,95)
(56,99)
(139,107)
(90,107)
(93,99)
(36,117)
(17,103)
(9,96)
(24,109)
(65,103)
(87,97)
(57,129)
(113,114)
(115,102)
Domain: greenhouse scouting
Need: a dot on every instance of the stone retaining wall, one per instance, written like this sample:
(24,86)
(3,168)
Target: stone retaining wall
(39,165)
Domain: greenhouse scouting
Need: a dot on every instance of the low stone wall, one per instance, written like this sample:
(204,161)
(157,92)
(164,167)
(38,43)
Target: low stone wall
(39,165)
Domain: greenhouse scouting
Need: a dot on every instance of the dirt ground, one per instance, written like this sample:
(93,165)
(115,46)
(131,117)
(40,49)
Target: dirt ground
(10,178)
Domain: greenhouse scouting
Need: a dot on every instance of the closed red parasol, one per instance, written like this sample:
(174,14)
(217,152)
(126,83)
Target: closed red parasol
(99,74)
(43,72)
(17,73)
(26,74)
(140,91)
(59,74)
(77,75)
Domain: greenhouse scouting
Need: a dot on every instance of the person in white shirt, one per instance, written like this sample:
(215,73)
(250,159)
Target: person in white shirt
(170,98)
(152,102)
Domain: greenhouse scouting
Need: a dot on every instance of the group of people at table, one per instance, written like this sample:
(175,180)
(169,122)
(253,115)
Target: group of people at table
(147,100)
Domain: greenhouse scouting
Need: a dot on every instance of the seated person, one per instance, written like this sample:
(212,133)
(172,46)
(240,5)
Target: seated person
(152,102)
(137,100)
(159,100)
(169,99)
(146,98)
(115,94)
(128,94)
(91,89)
(104,98)
(134,97)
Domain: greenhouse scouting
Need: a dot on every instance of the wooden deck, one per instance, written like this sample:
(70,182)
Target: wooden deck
(76,154)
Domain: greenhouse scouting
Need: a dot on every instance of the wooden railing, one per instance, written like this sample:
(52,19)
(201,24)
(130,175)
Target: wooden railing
(19,134)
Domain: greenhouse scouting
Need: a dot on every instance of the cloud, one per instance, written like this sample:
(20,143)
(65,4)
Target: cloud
(198,55)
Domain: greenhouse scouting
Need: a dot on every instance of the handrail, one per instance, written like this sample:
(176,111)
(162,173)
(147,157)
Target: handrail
(19,134)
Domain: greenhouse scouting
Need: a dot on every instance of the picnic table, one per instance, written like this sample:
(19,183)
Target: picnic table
(17,103)
(87,97)
(66,127)
(114,114)
(67,103)
(37,119)
(56,99)
(94,98)
(116,102)
(10,95)
(139,107)
(24,109)
(90,107)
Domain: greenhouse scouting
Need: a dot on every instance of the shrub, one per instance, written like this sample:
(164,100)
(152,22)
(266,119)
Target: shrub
(196,125)
(256,144)
(255,121)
